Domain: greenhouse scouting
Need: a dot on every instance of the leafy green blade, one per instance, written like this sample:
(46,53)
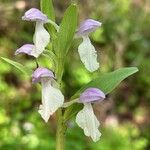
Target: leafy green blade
(106,83)
(48,9)
(19,66)
(109,81)
(67,31)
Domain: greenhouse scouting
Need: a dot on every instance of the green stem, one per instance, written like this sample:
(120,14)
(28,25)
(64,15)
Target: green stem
(61,127)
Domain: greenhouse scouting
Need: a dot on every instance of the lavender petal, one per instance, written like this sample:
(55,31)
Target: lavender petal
(91,95)
(34,14)
(87,27)
(26,49)
(40,73)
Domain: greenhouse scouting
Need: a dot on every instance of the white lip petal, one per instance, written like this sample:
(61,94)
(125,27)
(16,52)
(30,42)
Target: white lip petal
(88,122)
(88,55)
(41,37)
(52,99)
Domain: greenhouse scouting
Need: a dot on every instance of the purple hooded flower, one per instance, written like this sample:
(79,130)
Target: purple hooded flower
(41,37)
(26,49)
(87,27)
(87,52)
(86,118)
(52,98)
(34,14)
(40,73)
(91,95)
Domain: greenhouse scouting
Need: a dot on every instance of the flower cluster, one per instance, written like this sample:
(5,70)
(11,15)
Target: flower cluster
(41,37)
(52,97)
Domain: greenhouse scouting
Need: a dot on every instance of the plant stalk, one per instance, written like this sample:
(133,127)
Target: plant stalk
(61,127)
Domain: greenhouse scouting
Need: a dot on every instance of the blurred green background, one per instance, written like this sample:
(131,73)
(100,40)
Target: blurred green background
(121,41)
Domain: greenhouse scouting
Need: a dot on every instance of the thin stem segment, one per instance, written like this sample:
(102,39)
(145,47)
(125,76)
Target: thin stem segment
(61,127)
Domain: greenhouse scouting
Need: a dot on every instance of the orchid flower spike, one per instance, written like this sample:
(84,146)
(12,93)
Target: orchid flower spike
(86,50)
(41,37)
(86,118)
(52,98)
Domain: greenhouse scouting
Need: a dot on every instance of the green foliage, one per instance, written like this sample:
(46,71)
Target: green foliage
(109,81)
(119,138)
(47,8)
(17,65)
(64,39)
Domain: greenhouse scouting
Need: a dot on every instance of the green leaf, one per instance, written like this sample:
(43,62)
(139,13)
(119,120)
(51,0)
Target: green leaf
(48,9)
(109,81)
(66,32)
(106,83)
(19,66)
